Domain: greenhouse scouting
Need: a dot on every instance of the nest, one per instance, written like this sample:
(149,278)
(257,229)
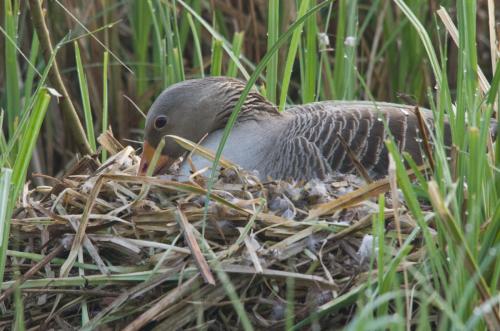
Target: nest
(108,249)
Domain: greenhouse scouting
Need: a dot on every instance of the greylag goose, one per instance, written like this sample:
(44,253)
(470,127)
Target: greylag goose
(300,143)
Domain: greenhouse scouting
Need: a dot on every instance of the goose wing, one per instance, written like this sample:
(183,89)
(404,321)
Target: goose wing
(310,145)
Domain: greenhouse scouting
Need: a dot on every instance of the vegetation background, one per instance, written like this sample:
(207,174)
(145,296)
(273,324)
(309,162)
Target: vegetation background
(152,48)
(115,57)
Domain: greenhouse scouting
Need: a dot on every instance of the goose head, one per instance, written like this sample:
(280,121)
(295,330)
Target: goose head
(191,110)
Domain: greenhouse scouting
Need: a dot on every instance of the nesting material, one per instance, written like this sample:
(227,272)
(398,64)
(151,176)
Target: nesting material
(106,247)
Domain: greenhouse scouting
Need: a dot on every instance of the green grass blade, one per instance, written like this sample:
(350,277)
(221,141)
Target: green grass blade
(404,184)
(310,60)
(179,64)
(84,92)
(273,24)
(177,45)
(171,35)
(237,43)
(141,26)
(27,144)
(197,44)
(4,153)
(292,53)
(20,129)
(379,229)
(345,51)
(167,26)
(31,71)
(494,95)
(19,307)
(195,28)
(216,63)
(339,63)
(5,183)
(324,76)
(105,121)
(350,50)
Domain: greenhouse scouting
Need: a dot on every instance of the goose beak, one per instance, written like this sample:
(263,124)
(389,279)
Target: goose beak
(164,162)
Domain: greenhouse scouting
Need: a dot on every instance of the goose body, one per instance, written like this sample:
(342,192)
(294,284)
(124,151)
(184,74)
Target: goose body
(301,143)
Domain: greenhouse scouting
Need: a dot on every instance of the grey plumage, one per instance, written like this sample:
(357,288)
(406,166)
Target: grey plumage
(314,131)
(300,143)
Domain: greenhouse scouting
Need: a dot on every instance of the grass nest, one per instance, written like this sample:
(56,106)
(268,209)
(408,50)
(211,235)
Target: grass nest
(107,249)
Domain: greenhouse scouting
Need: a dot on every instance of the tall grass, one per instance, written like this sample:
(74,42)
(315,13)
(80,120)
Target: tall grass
(84,91)
(14,179)
(341,50)
(273,31)
(309,58)
(290,59)
(344,65)
(140,17)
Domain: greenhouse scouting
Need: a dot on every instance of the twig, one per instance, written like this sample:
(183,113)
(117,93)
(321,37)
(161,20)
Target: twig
(425,137)
(126,296)
(364,222)
(173,296)
(202,264)
(75,126)
(354,197)
(136,107)
(252,252)
(31,272)
(109,142)
(359,167)
(84,292)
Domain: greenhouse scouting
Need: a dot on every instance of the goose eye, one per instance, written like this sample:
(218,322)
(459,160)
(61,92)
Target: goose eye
(160,122)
